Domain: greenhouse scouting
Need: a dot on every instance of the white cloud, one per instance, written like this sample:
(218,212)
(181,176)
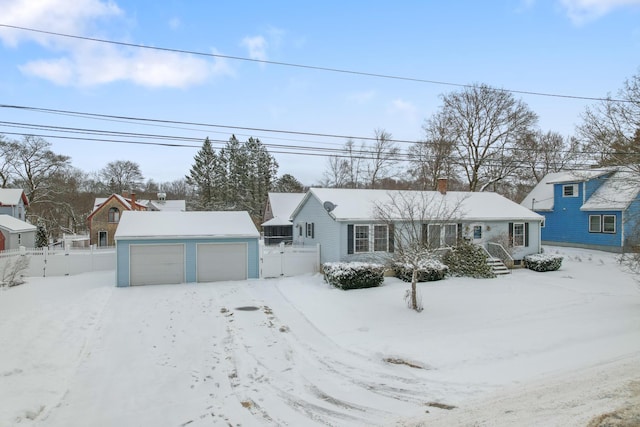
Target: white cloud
(256,46)
(90,66)
(51,15)
(582,11)
(175,23)
(84,63)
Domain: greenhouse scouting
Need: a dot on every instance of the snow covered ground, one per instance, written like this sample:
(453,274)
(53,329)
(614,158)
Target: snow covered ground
(554,348)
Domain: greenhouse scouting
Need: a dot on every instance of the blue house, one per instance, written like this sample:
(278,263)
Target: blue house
(183,247)
(595,208)
(13,202)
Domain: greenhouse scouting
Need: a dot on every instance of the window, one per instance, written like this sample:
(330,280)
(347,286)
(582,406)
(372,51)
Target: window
(570,190)
(594,224)
(114,215)
(361,240)
(518,234)
(19,238)
(477,232)
(450,234)
(310,230)
(608,224)
(380,238)
(602,224)
(434,235)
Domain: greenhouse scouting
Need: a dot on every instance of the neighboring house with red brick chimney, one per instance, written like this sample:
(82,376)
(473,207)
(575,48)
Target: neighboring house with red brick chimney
(103,220)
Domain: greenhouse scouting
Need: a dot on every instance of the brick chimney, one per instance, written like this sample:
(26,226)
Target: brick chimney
(134,206)
(442,185)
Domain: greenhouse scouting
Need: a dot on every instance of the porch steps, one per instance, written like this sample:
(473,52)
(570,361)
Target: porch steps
(497,266)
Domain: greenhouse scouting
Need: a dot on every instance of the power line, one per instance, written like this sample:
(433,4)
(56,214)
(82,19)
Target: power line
(309,67)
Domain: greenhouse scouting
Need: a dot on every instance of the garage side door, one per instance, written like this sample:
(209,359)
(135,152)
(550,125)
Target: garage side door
(222,261)
(156,264)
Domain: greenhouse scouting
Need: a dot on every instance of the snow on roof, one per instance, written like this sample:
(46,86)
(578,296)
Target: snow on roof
(277,221)
(541,197)
(615,193)
(10,196)
(283,204)
(165,205)
(147,225)
(14,224)
(579,175)
(359,204)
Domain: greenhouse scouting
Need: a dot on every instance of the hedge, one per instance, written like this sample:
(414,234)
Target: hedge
(543,262)
(428,270)
(353,275)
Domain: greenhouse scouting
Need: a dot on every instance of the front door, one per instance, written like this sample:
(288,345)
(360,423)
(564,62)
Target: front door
(102,238)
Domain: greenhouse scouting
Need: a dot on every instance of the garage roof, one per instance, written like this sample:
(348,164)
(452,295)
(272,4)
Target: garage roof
(151,225)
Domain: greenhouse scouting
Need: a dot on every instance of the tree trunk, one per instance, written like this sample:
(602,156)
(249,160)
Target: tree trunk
(414,292)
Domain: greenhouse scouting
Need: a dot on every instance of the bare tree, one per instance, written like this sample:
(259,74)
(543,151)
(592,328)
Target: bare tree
(380,158)
(484,124)
(122,175)
(432,158)
(7,161)
(611,129)
(421,222)
(542,153)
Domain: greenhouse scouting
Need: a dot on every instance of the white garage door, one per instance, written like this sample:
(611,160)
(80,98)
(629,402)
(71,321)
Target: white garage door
(156,264)
(222,261)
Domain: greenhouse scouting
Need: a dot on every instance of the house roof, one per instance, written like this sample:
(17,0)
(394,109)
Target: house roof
(359,204)
(615,193)
(15,225)
(126,202)
(282,206)
(541,197)
(12,196)
(165,205)
(149,225)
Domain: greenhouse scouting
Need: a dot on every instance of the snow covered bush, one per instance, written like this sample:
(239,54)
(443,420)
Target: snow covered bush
(543,262)
(13,269)
(468,260)
(429,270)
(353,275)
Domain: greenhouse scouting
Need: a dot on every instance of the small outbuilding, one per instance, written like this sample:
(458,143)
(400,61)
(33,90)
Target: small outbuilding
(183,247)
(15,233)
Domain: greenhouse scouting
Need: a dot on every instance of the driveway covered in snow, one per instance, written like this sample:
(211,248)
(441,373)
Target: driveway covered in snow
(78,351)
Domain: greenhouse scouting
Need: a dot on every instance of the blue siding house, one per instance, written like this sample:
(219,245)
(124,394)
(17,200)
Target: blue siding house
(184,247)
(595,209)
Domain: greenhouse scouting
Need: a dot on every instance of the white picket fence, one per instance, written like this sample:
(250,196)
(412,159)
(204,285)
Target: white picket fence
(44,262)
(285,261)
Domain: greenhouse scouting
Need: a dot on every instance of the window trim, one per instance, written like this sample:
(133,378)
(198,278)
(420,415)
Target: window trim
(113,215)
(515,235)
(574,190)
(603,224)
(377,239)
(357,239)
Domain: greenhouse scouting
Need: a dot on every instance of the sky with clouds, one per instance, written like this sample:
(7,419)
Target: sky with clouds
(569,47)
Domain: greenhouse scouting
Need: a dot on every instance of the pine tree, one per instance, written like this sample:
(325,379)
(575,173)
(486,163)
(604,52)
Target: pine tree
(41,237)
(202,177)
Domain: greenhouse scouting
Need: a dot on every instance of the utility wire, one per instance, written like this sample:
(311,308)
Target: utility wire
(309,67)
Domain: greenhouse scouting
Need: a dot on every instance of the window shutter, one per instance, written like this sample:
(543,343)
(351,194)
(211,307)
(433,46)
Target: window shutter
(313,230)
(391,238)
(350,238)
(526,234)
(424,233)
(459,236)
(510,234)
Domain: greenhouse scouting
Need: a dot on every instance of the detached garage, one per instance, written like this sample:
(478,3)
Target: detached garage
(154,248)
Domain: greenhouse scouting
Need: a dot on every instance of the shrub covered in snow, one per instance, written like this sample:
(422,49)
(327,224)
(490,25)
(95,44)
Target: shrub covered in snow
(468,260)
(13,269)
(429,270)
(353,275)
(543,262)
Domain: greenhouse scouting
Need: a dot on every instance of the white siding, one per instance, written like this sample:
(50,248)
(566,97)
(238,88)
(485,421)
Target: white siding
(326,231)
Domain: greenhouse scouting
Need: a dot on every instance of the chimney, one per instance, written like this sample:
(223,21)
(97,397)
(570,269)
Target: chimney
(442,185)
(134,206)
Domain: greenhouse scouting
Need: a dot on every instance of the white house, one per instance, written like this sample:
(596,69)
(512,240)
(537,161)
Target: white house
(345,224)
(13,202)
(15,233)
(277,226)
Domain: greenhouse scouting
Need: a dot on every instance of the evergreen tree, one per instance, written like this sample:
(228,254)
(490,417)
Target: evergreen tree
(288,184)
(202,178)
(41,237)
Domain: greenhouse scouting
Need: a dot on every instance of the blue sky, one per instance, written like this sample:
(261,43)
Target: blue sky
(570,47)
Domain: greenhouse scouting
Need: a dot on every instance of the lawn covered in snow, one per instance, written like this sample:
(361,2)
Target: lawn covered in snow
(553,348)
